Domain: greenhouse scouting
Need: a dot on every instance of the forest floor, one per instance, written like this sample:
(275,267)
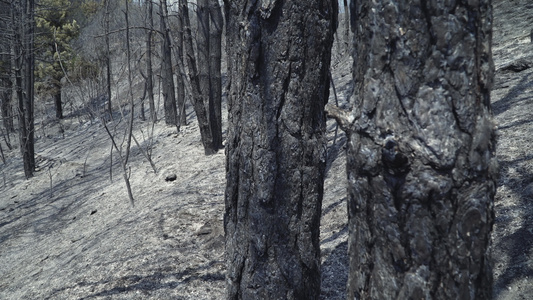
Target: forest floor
(71,233)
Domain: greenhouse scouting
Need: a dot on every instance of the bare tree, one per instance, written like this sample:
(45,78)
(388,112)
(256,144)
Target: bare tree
(22,20)
(181,76)
(278,65)
(149,70)
(209,45)
(346,33)
(5,68)
(215,75)
(420,158)
(197,100)
(167,74)
(108,58)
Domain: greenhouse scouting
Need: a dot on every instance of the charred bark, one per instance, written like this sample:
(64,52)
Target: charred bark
(420,157)
(278,61)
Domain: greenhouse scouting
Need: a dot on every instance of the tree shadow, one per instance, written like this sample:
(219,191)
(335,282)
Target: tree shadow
(48,213)
(160,279)
(333,205)
(334,150)
(514,96)
(335,273)
(518,246)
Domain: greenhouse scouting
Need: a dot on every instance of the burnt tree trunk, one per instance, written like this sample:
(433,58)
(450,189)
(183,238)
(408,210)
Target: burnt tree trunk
(7,111)
(6,85)
(278,62)
(346,34)
(167,75)
(215,77)
(420,158)
(57,101)
(149,68)
(202,54)
(5,97)
(108,59)
(209,59)
(22,17)
(180,93)
(30,81)
(197,101)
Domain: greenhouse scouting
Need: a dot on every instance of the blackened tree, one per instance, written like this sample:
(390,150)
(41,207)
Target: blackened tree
(5,68)
(197,100)
(420,158)
(22,43)
(167,77)
(278,63)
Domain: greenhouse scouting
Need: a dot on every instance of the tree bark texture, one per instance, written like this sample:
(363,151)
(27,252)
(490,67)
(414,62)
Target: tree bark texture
(167,75)
(420,158)
(278,62)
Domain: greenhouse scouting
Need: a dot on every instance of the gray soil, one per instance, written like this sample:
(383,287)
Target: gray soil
(71,233)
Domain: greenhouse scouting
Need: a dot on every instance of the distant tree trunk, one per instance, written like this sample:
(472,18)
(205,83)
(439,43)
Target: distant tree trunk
(209,45)
(167,75)
(7,111)
(278,63)
(5,98)
(215,77)
(198,103)
(209,60)
(202,47)
(180,94)
(420,158)
(108,60)
(30,81)
(22,17)
(149,69)
(129,133)
(57,101)
(5,69)
(347,44)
